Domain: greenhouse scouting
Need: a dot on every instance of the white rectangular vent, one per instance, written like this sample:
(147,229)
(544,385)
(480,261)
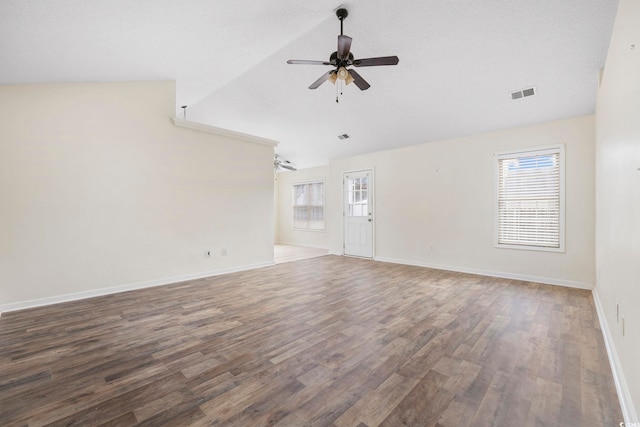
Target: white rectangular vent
(343,136)
(523,93)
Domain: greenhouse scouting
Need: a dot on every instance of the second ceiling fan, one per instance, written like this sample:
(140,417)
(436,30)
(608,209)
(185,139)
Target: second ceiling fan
(343,58)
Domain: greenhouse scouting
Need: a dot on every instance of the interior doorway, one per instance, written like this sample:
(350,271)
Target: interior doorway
(288,253)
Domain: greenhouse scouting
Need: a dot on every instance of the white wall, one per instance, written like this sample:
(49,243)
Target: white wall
(99,191)
(284,188)
(441,194)
(618,201)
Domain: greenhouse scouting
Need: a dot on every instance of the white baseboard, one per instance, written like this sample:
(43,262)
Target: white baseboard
(501,274)
(626,404)
(5,308)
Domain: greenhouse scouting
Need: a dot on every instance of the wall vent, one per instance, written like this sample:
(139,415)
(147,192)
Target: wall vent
(523,93)
(343,136)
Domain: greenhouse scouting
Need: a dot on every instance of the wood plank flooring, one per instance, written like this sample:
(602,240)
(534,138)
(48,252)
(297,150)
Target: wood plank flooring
(329,341)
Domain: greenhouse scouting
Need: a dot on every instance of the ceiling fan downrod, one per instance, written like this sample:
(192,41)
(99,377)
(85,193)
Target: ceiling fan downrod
(342,15)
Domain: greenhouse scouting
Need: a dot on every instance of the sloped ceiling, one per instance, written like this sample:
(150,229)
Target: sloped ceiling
(459,60)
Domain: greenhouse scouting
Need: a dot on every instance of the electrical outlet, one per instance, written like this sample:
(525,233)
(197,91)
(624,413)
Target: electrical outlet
(224,252)
(622,321)
(207,254)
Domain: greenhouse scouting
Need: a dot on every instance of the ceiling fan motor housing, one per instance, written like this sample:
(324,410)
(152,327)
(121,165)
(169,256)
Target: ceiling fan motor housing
(333,59)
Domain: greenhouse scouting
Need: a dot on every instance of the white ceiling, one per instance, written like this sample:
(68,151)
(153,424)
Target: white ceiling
(459,59)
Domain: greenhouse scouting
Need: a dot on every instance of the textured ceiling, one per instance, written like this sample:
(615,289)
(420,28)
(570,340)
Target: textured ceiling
(458,62)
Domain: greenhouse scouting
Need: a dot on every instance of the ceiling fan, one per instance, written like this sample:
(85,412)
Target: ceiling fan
(343,58)
(279,163)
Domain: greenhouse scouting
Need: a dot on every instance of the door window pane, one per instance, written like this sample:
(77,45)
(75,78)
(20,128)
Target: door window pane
(357,197)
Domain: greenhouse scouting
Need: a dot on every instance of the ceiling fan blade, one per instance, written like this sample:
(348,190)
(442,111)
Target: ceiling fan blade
(291,168)
(372,62)
(321,80)
(344,46)
(306,62)
(359,81)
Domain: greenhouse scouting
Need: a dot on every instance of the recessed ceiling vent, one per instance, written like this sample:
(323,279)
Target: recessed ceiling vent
(523,93)
(343,136)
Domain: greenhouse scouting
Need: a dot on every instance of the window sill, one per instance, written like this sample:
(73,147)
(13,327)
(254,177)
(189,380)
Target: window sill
(530,248)
(308,229)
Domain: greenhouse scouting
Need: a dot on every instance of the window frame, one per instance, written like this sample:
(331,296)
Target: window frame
(324,205)
(529,152)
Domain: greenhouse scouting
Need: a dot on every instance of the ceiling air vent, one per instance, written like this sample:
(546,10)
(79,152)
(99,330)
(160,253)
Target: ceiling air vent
(523,93)
(343,136)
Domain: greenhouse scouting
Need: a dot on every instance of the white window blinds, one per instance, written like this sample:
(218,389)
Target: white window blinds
(308,206)
(530,201)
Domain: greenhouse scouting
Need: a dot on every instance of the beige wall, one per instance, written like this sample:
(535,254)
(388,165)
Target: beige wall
(99,191)
(441,194)
(285,233)
(618,202)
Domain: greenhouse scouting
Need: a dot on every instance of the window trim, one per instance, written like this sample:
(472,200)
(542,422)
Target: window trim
(524,152)
(324,205)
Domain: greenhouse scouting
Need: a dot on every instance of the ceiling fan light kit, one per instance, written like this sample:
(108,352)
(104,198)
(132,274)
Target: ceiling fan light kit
(343,58)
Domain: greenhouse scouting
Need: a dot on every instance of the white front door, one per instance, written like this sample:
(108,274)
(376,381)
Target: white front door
(358,214)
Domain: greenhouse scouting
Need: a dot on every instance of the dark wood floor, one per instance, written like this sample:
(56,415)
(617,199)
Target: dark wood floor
(325,341)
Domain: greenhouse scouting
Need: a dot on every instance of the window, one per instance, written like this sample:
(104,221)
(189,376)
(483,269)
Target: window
(530,199)
(308,206)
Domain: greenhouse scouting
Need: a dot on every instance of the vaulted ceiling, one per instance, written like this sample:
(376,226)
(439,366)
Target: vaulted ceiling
(459,61)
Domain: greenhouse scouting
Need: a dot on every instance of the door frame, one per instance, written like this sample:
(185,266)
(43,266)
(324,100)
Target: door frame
(372,189)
